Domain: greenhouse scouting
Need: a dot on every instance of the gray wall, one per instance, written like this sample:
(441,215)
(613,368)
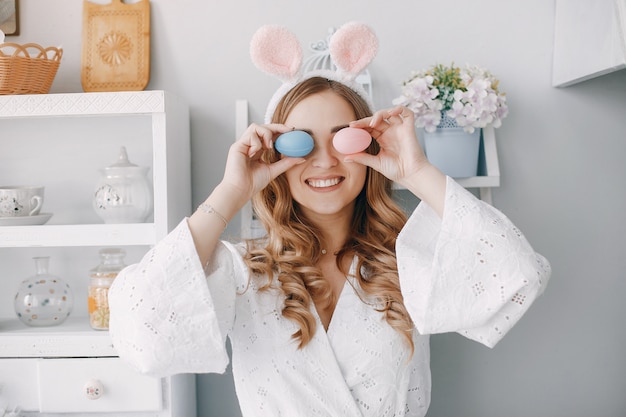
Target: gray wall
(561,158)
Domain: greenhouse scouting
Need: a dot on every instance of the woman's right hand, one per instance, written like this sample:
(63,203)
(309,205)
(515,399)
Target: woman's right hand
(245,173)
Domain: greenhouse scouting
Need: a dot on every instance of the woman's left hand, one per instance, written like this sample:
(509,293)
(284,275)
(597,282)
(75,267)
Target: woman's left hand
(401,155)
(401,158)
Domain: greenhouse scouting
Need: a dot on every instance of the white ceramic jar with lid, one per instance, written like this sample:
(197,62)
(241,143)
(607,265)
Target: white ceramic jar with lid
(123,194)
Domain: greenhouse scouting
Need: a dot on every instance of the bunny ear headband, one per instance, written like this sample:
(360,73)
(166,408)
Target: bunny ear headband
(276,51)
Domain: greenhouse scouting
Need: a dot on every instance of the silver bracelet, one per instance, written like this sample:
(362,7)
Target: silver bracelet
(208,209)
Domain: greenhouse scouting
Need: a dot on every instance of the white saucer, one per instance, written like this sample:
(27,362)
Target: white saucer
(41,218)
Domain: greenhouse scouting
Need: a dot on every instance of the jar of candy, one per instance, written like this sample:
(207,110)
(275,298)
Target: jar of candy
(101,278)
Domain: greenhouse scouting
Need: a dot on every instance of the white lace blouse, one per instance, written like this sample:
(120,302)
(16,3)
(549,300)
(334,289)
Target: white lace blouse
(471,272)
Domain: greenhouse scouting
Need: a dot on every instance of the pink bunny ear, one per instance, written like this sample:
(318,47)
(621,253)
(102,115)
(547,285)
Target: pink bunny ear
(275,50)
(353,47)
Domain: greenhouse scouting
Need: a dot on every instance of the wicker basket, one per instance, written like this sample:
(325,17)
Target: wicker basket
(28,68)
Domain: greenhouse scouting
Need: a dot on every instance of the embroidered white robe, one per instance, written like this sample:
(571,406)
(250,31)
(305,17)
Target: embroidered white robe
(472,272)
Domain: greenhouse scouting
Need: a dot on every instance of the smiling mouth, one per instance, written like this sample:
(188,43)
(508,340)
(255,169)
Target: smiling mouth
(324,183)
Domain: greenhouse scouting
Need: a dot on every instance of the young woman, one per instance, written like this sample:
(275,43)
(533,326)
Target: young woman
(329,313)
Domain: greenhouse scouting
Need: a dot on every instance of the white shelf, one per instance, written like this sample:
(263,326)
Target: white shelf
(168,122)
(78,235)
(85,104)
(488,167)
(589,40)
(72,338)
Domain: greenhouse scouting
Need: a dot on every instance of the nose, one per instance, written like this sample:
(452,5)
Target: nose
(324,156)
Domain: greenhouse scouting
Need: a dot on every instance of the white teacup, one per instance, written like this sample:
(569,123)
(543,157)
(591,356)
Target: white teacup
(18,201)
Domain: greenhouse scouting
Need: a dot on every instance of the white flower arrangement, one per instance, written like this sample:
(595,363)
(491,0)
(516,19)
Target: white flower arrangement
(469,96)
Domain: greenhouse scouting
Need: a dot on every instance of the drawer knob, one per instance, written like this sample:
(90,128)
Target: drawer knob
(93,389)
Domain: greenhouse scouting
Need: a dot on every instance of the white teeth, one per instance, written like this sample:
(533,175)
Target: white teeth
(323,183)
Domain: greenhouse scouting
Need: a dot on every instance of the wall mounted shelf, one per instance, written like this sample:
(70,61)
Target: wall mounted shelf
(589,40)
(488,167)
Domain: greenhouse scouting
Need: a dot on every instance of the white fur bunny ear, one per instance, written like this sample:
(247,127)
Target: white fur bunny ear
(275,50)
(352,48)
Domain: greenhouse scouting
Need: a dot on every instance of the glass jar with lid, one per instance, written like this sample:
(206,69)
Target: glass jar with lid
(100,279)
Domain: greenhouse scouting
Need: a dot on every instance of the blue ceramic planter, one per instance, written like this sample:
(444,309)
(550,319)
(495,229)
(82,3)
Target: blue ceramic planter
(453,151)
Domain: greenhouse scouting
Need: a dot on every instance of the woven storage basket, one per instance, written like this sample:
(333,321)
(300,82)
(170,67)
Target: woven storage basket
(28,68)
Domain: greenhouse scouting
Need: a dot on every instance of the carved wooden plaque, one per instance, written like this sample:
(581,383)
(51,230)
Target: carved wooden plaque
(116,46)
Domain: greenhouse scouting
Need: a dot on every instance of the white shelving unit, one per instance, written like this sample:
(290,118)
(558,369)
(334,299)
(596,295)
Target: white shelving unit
(61,141)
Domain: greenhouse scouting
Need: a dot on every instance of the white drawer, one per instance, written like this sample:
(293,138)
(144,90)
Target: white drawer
(61,384)
(17,384)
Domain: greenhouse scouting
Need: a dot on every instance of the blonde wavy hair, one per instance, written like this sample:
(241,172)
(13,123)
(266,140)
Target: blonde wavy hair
(292,246)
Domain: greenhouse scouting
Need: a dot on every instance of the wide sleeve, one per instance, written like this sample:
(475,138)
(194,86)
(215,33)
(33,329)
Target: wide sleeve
(471,272)
(168,315)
